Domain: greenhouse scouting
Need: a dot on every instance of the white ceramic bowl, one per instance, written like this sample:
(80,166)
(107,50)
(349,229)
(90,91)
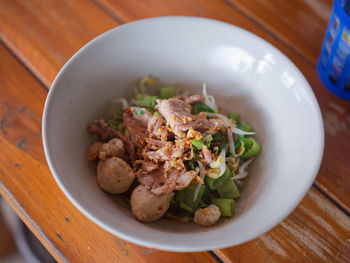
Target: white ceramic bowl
(242,71)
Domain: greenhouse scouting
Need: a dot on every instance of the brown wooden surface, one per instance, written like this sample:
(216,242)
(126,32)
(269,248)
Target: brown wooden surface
(44,34)
(315,232)
(300,24)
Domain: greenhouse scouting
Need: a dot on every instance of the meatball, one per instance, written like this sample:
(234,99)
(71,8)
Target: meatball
(147,206)
(114,175)
(114,147)
(207,216)
(94,150)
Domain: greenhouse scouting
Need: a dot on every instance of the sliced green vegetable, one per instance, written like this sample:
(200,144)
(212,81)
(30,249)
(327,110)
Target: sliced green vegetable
(190,194)
(253,149)
(167,92)
(228,190)
(198,144)
(190,165)
(180,195)
(200,107)
(185,197)
(186,207)
(244,126)
(146,100)
(156,113)
(240,137)
(208,139)
(116,120)
(215,183)
(139,111)
(234,116)
(226,206)
(203,205)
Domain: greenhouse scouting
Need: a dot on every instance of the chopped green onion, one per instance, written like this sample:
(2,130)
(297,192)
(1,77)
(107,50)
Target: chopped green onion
(167,92)
(234,116)
(203,205)
(215,183)
(228,190)
(208,139)
(116,120)
(191,165)
(240,137)
(138,111)
(186,207)
(253,149)
(244,127)
(180,195)
(156,113)
(190,190)
(198,144)
(226,206)
(200,107)
(146,100)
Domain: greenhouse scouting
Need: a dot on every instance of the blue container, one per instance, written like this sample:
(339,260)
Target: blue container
(334,62)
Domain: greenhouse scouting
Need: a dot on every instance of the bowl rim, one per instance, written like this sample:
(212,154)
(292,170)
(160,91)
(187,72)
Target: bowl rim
(183,248)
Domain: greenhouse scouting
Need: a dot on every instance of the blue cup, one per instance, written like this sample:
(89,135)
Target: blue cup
(334,62)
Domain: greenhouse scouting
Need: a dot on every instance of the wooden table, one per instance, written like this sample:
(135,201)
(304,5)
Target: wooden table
(38,37)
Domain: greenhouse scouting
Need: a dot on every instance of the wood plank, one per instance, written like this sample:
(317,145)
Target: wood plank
(299,23)
(315,232)
(44,34)
(24,172)
(333,176)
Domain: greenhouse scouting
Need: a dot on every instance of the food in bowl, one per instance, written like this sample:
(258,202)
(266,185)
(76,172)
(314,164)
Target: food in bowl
(173,154)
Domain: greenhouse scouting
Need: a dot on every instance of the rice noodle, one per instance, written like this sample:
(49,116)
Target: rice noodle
(209,100)
(231,141)
(242,173)
(202,175)
(228,123)
(223,163)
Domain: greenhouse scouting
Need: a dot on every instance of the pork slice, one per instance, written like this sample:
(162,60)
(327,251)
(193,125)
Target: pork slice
(184,179)
(178,115)
(136,125)
(156,180)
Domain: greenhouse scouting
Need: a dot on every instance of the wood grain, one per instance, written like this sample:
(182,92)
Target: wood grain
(24,172)
(315,232)
(299,24)
(45,34)
(333,177)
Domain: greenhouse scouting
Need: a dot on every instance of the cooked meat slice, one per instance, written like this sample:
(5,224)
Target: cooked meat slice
(137,125)
(193,99)
(154,142)
(94,150)
(207,154)
(148,207)
(103,130)
(184,179)
(156,180)
(114,175)
(178,116)
(207,216)
(157,127)
(114,147)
